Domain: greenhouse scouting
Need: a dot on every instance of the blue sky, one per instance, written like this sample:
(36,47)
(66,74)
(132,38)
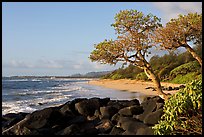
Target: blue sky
(56,38)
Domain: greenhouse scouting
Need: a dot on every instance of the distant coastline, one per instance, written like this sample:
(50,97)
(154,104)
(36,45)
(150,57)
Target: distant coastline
(87,75)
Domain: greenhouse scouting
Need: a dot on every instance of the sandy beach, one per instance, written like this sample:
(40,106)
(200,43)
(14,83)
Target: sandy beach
(132,85)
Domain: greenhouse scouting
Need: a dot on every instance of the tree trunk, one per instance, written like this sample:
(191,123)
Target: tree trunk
(193,53)
(150,74)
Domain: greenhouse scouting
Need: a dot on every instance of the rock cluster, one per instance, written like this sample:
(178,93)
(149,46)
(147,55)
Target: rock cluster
(94,116)
(167,88)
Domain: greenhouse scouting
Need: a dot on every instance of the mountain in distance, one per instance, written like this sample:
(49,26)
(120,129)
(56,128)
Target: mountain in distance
(77,75)
(91,74)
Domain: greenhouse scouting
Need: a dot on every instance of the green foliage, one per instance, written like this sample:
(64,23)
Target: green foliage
(141,76)
(184,69)
(183,79)
(164,72)
(117,76)
(129,72)
(182,112)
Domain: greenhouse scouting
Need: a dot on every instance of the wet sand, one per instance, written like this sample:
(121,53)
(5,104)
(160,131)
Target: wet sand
(132,85)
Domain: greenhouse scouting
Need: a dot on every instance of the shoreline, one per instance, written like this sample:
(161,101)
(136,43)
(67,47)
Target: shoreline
(133,85)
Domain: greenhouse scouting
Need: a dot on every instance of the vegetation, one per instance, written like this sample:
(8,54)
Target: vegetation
(137,34)
(179,32)
(182,112)
(169,67)
(185,69)
(132,45)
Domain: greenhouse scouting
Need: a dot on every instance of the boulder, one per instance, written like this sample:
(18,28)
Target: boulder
(87,128)
(41,118)
(148,106)
(130,111)
(107,112)
(115,103)
(127,103)
(70,130)
(153,117)
(76,120)
(11,119)
(104,101)
(116,131)
(67,109)
(130,125)
(104,126)
(145,131)
(87,107)
(115,118)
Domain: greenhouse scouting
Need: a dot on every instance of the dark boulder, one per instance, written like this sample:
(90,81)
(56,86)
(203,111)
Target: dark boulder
(145,131)
(41,118)
(116,131)
(88,128)
(104,101)
(104,126)
(115,103)
(127,103)
(68,110)
(148,106)
(11,119)
(159,105)
(107,112)
(70,130)
(115,118)
(130,125)
(87,107)
(154,117)
(132,110)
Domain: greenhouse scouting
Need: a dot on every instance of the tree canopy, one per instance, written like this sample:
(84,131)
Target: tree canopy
(179,32)
(132,45)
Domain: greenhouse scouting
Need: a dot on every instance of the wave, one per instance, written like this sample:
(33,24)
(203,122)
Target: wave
(33,104)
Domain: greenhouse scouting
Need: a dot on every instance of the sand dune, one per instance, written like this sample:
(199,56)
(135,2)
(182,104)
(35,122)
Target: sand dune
(132,85)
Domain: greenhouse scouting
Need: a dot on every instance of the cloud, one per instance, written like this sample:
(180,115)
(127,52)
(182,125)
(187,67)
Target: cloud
(42,63)
(17,64)
(173,9)
(54,67)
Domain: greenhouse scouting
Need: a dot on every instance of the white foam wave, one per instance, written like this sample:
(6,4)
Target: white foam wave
(12,107)
(33,104)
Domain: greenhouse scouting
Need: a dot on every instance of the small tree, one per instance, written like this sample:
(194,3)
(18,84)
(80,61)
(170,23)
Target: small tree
(132,45)
(179,32)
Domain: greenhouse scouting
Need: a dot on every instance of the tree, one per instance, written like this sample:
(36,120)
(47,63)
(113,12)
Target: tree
(179,32)
(132,45)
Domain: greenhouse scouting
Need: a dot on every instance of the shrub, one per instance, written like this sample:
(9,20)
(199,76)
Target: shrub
(192,66)
(182,112)
(164,72)
(117,76)
(141,76)
(179,79)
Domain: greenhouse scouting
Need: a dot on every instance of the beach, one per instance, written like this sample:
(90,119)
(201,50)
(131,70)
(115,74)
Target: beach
(133,85)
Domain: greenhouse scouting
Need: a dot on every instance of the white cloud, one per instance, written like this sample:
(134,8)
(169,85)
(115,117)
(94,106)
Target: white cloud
(173,9)
(17,64)
(42,63)
(51,67)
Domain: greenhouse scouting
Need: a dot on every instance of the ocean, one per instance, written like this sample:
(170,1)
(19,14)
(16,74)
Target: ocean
(28,95)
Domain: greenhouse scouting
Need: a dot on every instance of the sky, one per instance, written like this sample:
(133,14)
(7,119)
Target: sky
(56,38)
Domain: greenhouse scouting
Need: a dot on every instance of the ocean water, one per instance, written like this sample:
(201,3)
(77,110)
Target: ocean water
(28,95)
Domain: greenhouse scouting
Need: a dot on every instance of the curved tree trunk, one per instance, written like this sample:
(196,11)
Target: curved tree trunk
(193,53)
(150,74)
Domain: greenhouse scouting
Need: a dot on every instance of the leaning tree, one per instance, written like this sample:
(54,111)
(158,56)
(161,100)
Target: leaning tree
(132,45)
(181,32)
